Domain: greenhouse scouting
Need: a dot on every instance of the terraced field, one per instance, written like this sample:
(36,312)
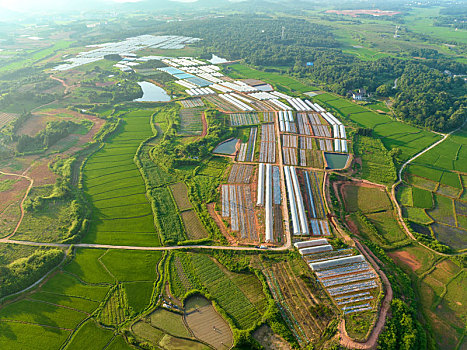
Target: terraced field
(122,213)
(437,182)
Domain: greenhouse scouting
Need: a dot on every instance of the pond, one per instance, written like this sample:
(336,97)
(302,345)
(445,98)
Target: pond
(216,59)
(152,93)
(226,147)
(336,160)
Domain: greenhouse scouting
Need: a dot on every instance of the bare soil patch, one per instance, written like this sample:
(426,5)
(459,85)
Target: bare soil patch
(34,124)
(13,195)
(42,174)
(406,258)
(206,324)
(269,340)
(355,13)
(352,226)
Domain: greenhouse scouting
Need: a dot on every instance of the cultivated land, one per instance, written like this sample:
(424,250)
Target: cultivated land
(134,201)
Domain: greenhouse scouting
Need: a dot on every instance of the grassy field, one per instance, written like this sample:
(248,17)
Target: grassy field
(377,163)
(122,214)
(281,82)
(48,222)
(169,322)
(366,199)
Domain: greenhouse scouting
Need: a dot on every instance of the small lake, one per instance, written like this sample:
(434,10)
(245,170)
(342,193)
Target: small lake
(336,160)
(152,93)
(216,59)
(226,147)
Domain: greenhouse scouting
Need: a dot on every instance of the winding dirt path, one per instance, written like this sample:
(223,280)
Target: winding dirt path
(61,81)
(392,193)
(31,183)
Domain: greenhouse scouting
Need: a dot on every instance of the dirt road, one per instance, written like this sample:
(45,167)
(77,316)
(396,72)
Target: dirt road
(31,183)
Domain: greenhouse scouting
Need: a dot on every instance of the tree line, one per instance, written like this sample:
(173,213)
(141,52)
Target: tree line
(425,95)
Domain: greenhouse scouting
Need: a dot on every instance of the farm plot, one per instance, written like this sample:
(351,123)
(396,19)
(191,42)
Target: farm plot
(267,153)
(349,280)
(250,153)
(240,119)
(192,103)
(169,322)
(193,226)
(182,278)
(180,193)
(89,335)
(314,159)
(304,127)
(191,121)
(138,294)
(14,335)
(206,324)
(290,156)
(222,104)
(297,300)
(268,117)
(5,118)
(120,219)
(115,309)
(12,191)
(42,314)
(167,216)
(365,198)
(240,174)
(238,205)
(314,200)
(454,237)
(229,295)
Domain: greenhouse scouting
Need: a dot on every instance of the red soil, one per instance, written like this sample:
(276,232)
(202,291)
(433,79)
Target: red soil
(406,258)
(355,13)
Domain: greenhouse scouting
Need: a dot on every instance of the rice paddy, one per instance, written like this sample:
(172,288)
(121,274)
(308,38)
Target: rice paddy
(120,217)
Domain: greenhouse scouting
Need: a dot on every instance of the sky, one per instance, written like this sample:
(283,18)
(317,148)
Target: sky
(34,5)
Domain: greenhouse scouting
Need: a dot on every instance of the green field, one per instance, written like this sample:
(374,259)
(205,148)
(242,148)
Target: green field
(366,199)
(281,82)
(239,295)
(90,336)
(422,198)
(377,163)
(409,139)
(122,214)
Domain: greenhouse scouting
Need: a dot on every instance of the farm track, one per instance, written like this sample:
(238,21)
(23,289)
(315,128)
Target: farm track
(399,181)
(31,183)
